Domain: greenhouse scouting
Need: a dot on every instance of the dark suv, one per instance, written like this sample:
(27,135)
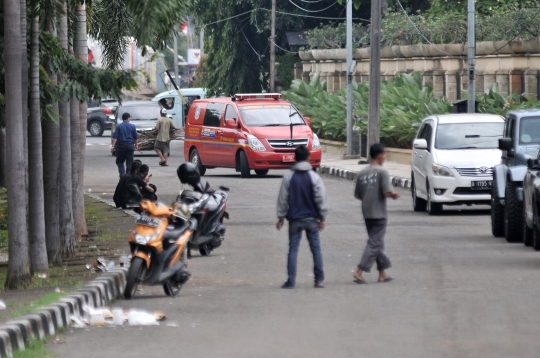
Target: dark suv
(100,117)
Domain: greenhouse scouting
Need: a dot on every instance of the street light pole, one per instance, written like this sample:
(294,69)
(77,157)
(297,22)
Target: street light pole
(471,54)
(349,78)
(273,48)
(374,75)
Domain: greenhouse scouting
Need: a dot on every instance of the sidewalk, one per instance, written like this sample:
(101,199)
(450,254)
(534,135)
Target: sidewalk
(334,165)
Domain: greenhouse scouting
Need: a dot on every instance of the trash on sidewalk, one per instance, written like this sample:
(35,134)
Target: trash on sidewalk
(2,305)
(101,264)
(58,290)
(76,322)
(141,318)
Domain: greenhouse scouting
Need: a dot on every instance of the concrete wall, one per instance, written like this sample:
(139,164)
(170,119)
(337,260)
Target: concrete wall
(515,66)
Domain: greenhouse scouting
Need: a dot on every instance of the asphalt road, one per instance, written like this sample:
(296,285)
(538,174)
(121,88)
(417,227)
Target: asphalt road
(458,292)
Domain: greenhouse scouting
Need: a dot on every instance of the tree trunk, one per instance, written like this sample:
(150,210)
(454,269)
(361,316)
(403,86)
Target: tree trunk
(51,156)
(67,228)
(2,157)
(36,233)
(18,266)
(77,203)
(81,52)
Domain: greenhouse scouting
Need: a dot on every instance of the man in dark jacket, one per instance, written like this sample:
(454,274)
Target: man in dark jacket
(302,200)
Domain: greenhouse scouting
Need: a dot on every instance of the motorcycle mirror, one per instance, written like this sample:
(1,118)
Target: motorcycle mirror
(224,188)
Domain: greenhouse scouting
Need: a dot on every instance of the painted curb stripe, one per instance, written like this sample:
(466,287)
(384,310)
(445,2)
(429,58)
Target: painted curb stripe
(399,182)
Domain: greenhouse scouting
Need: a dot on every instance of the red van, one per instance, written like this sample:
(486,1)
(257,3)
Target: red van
(247,131)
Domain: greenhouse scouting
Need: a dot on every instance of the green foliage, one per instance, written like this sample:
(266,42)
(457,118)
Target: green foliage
(493,102)
(285,68)
(404,103)
(482,7)
(446,27)
(328,36)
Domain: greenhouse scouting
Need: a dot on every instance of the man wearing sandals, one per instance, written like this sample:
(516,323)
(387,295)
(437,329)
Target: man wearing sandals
(302,201)
(161,146)
(373,186)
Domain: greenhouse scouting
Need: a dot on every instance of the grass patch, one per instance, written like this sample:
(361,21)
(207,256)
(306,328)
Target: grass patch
(34,349)
(109,235)
(44,300)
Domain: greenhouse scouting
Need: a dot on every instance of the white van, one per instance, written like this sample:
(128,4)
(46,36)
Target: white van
(453,159)
(173,103)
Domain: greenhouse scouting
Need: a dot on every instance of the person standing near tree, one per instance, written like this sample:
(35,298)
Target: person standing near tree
(161,146)
(373,186)
(124,143)
(302,201)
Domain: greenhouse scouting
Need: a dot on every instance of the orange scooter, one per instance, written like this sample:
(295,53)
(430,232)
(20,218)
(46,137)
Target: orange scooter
(158,247)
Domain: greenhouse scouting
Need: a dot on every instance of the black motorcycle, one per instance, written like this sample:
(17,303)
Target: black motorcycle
(207,207)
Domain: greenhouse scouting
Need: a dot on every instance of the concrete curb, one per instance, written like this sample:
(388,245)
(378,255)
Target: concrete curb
(46,321)
(398,182)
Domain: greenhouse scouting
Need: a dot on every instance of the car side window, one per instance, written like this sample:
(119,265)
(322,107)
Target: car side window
(230,113)
(512,128)
(420,132)
(426,134)
(212,116)
(167,103)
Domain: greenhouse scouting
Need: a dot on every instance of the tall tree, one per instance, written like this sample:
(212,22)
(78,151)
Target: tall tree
(2,156)
(36,219)
(65,197)
(18,266)
(80,49)
(51,156)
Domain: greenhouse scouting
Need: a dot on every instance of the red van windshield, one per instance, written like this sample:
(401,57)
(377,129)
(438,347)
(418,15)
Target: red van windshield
(268,115)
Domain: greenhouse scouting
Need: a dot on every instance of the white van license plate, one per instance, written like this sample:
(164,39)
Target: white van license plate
(289,158)
(481,184)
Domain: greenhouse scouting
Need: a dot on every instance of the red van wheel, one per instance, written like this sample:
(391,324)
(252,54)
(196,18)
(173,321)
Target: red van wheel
(244,165)
(195,159)
(261,172)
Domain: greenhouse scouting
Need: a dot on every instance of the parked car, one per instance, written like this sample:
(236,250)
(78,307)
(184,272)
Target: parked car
(245,132)
(452,160)
(520,143)
(531,203)
(100,117)
(144,115)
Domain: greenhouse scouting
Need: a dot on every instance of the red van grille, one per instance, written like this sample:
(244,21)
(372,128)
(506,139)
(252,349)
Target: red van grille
(287,144)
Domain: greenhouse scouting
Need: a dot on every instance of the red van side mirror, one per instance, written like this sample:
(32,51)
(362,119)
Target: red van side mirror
(230,123)
(308,121)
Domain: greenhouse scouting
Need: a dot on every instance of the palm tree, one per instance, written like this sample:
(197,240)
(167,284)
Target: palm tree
(51,156)
(65,205)
(78,130)
(19,266)
(36,232)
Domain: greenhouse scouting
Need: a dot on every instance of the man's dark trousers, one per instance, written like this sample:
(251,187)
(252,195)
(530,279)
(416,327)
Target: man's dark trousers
(374,252)
(124,153)
(295,235)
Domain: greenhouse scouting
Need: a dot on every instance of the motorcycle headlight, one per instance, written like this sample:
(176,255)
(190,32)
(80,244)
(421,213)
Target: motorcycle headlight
(442,171)
(143,240)
(316,142)
(255,144)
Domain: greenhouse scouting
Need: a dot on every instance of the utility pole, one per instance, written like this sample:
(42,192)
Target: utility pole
(273,48)
(175,45)
(350,70)
(471,54)
(374,105)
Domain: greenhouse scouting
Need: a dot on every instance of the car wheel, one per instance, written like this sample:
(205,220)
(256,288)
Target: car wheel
(419,204)
(96,129)
(195,159)
(536,237)
(244,165)
(513,215)
(527,233)
(261,172)
(497,212)
(432,208)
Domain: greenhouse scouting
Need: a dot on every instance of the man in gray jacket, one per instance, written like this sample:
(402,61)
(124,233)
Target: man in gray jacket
(302,200)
